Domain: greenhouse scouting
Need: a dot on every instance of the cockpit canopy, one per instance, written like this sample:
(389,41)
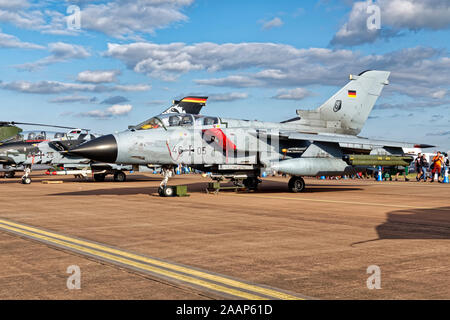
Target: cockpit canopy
(177,120)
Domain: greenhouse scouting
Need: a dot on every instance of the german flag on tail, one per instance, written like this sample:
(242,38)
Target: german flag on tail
(189,104)
(194,99)
(352,93)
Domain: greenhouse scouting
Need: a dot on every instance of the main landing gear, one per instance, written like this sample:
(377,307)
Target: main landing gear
(251,183)
(10,174)
(99,177)
(119,176)
(296,184)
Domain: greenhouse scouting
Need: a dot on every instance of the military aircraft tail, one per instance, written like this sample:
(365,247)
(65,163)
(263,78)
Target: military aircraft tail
(191,104)
(348,109)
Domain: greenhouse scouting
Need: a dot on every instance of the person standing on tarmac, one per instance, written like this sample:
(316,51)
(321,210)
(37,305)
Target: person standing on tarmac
(418,167)
(445,166)
(404,171)
(424,166)
(436,165)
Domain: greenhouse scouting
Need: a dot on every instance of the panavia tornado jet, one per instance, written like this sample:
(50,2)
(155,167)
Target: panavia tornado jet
(315,143)
(24,150)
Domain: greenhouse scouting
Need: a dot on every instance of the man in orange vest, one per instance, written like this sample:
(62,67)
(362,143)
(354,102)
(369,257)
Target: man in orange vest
(436,166)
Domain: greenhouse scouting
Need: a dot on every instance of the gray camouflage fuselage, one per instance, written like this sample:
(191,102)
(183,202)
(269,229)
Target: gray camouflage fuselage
(311,144)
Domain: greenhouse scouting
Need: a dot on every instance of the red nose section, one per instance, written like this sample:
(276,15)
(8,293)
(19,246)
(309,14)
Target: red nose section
(220,138)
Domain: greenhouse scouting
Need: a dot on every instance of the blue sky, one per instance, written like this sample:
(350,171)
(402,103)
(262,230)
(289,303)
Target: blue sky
(256,60)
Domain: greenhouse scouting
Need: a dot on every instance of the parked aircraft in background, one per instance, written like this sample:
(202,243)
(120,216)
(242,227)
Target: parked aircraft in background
(24,150)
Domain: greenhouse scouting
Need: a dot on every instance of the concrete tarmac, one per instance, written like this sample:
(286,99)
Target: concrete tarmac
(315,244)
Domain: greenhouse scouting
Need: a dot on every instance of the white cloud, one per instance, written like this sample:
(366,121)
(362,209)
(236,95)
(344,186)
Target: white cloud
(231,81)
(132,87)
(98,76)
(14,4)
(416,14)
(124,18)
(60,52)
(50,87)
(10,41)
(292,94)
(284,66)
(117,18)
(116,110)
(21,14)
(396,16)
(170,60)
(440,94)
(274,23)
(57,24)
(227,97)
(73,98)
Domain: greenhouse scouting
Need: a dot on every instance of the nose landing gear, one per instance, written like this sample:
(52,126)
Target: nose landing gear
(163,190)
(25,178)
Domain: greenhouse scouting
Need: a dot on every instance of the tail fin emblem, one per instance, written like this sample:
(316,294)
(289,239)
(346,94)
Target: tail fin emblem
(337,105)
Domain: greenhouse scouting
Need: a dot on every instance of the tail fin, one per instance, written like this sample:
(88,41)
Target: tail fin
(347,110)
(191,104)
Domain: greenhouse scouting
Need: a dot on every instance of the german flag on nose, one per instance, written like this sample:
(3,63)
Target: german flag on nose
(352,93)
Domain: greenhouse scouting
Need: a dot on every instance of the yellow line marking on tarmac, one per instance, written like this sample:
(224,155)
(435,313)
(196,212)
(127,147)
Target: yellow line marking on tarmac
(61,240)
(338,201)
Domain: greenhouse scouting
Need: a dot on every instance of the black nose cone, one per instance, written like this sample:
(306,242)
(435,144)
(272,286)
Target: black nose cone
(102,149)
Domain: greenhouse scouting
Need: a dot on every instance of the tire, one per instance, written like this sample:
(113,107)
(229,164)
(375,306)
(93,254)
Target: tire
(251,183)
(99,177)
(26,180)
(168,192)
(120,176)
(10,174)
(296,184)
(161,191)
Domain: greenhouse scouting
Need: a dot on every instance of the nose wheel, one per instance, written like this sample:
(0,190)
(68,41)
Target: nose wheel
(296,184)
(165,191)
(26,179)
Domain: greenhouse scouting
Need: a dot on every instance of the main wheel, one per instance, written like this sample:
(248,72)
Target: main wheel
(120,176)
(10,174)
(251,183)
(168,192)
(161,191)
(26,180)
(99,177)
(296,184)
